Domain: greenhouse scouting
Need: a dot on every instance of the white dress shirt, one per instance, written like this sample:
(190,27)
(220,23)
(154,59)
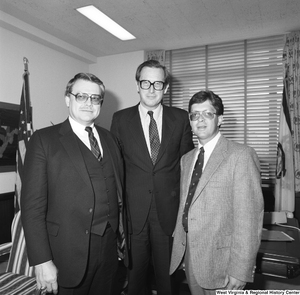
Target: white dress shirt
(83,135)
(145,120)
(208,149)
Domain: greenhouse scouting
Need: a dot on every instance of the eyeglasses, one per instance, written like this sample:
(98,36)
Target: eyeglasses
(205,114)
(157,85)
(83,97)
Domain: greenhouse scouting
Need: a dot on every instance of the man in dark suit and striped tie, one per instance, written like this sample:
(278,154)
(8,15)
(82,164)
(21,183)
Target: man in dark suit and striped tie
(153,137)
(72,197)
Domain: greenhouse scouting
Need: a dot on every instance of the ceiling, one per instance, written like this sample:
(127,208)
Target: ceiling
(157,24)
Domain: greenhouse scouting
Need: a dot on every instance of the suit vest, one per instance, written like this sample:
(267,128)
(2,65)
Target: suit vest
(105,190)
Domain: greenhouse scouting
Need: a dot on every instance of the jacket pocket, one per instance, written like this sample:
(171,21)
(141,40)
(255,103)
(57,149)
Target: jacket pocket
(224,242)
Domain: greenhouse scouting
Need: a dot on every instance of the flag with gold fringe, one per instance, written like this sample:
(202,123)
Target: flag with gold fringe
(24,133)
(284,188)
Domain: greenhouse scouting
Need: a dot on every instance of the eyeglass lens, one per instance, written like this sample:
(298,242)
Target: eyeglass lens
(206,114)
(83,97)
(157,85)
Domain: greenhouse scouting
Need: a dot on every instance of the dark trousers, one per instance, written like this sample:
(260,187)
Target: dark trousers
(153,243)
(102,267)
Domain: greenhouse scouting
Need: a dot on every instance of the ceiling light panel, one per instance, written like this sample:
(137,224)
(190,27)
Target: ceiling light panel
(102,20)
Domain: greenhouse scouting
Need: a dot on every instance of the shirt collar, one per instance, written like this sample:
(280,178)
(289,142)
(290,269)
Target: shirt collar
(209,146)
(156,112)
(77,126)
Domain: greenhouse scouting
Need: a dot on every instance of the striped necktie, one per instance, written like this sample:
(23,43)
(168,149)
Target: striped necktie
(193,185)
(94,144)
(154,138)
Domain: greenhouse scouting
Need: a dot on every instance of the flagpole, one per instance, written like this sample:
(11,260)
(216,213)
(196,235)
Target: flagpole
(25,61)
(25,131)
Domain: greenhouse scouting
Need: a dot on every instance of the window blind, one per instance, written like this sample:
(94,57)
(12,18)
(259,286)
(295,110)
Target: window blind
(248,76)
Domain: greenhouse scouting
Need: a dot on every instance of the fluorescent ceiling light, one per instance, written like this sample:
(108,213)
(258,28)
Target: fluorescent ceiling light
(102,20)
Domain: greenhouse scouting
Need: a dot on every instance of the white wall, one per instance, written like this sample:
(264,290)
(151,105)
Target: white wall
(50,70)
(118,75)
(49,73)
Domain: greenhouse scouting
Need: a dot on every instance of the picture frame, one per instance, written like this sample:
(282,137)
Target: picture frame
(158,55)
(9,125)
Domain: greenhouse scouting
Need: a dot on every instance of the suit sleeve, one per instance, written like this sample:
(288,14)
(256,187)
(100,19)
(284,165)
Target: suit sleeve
(187,137)
(34,202)
(247,216)
(114,128)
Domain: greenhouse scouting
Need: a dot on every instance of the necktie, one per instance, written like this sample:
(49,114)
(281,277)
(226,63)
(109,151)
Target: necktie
(193,185)
(154,138)
(94,144)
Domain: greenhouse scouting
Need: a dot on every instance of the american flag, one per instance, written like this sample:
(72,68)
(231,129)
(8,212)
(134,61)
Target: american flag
(285,185)
(25,131)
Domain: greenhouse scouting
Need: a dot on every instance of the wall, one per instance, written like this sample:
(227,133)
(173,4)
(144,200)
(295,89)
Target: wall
(50,70)
(118,75)
(49,73)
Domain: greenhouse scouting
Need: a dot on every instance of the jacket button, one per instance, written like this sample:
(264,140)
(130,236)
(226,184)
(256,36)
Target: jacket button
(91,210)
(86,232)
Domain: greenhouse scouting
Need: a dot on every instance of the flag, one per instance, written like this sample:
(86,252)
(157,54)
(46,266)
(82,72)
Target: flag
(285,184)
(24,133)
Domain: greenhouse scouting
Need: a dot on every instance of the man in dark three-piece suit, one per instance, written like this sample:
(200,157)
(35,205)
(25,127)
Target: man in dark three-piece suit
(152,137)
(219,224)
(72,197)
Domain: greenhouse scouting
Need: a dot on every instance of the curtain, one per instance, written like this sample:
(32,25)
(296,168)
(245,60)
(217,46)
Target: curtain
(291,64)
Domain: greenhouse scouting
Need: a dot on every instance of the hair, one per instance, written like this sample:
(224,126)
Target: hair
(203,96)
(151,63)
(86,77)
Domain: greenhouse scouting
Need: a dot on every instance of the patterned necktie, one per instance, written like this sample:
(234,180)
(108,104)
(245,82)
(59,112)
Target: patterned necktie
(193,185)
(94,144)
(154,138)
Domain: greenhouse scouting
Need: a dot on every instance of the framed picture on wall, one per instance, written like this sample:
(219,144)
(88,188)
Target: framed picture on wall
(9,124)
(158,55)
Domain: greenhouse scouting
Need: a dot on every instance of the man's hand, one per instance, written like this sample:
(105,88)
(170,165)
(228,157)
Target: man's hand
(233,283)
(46,277)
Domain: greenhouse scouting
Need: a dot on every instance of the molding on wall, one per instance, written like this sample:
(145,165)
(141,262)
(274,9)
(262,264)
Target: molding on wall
(34,34)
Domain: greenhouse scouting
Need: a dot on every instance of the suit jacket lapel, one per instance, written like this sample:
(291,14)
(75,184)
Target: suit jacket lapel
(137,132)
(69,142)
(216,158)
(109,151)
(187,176)
(168,127)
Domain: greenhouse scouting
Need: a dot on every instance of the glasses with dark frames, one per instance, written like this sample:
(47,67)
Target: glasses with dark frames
(157,85)
(83,97)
